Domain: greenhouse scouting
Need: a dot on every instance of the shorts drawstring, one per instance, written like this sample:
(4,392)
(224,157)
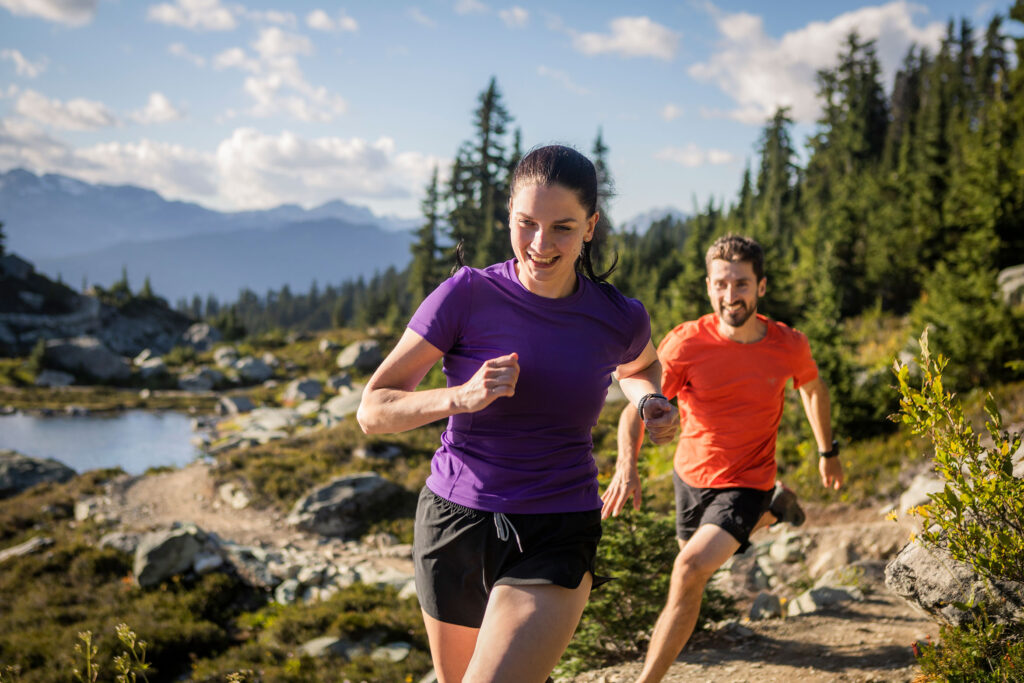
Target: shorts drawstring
(502,524)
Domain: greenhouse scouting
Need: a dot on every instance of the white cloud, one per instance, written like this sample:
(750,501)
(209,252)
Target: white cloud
(322,21)
(273,43)
(562,78)
(514,17)
(270,17)
(469,6)
(171,170)
(761,73)
(693,156)
(23,144)
(158,109)
(22,66)
(630,37)
(671,112)
(417,15)
(179,50)
(203,15)
(77,114)
(70,12)
(235,57)
(258,170)
(248,169)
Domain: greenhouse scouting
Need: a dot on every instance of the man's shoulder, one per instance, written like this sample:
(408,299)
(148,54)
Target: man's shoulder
(784,333)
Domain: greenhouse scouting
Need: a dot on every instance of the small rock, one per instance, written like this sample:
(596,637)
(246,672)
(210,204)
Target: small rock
(766,606)
(392,652)
(30,546)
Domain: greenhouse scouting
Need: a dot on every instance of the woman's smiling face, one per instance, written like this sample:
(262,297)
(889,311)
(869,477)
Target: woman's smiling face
(548,227)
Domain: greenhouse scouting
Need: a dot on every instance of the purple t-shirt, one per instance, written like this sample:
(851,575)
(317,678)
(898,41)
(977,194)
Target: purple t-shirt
(528,453)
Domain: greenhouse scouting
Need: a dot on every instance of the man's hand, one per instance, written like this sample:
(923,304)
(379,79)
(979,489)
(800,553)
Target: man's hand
(831,471)
(625,483)
(661,420)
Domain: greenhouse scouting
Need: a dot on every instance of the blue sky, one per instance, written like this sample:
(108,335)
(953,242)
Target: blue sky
(241,105)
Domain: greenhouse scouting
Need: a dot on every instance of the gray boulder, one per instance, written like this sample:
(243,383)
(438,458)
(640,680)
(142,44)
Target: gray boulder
(201,379)
(302,389)
(933,581)
(363,355)
(337,382)
(917,493)
(19,472)
(344,404)
(325,646)
(201,336)
(766,606)
(817,599)
(54,378)
(30,546)
(1011,284)
(234,405)
(87,356)
(163,554)
(341,507)
(225,356)
(253,370)
(152,367)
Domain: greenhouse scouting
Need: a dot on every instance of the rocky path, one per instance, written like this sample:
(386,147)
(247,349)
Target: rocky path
(861,641)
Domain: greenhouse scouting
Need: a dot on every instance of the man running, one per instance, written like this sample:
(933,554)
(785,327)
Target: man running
(728,371)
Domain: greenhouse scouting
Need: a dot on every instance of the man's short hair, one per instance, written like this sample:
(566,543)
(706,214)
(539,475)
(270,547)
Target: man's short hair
(737,248)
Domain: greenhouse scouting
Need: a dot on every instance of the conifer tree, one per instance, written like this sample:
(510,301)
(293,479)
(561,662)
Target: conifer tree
(424,269)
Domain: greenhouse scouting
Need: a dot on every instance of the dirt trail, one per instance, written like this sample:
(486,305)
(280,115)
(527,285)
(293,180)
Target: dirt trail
(867,641)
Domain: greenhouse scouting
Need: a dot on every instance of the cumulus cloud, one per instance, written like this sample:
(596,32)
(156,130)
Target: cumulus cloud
(158,109)
(276,83)
(23,144)
(76,114)
(469,7)
(270,17)
(671,112)
(202,15)
(693,156)
(417,15)
(179,50)
(258,170)
(172,170)
(322,21)
(22,66)
(630,37)
(514,17)
(562,78)
(761,73)
(70,12)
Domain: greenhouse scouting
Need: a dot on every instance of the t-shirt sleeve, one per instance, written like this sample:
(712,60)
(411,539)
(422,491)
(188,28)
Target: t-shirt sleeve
(439,318)
(640,324)
(805,369)
(670,353)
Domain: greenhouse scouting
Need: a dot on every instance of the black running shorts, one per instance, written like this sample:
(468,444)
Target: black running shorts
(460,555)
(737,510)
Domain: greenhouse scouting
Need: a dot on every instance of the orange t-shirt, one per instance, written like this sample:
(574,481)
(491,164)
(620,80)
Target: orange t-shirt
(730,399)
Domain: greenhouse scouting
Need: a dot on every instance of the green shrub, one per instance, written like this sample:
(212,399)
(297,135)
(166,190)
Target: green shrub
(638,549)
(979,515)
(980,652)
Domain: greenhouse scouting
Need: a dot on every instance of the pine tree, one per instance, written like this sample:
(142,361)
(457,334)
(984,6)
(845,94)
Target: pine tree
(605,191)
(424,269)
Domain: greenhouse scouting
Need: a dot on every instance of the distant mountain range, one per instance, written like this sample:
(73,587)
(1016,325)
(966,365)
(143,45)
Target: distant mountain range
(641,222)
(88,233)
(78,231)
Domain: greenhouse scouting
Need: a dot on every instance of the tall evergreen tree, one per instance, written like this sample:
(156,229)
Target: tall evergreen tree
(424,269)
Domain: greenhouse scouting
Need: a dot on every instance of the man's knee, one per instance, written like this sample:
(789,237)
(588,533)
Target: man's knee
(694,569)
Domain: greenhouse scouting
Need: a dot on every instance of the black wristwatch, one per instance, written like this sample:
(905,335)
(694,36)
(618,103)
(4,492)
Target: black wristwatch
(833,453)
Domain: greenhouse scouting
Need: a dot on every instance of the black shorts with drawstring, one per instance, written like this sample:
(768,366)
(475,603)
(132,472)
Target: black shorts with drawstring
(461,554)
(737,510)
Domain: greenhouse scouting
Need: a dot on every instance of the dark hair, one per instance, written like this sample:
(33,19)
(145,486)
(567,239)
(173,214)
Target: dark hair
(737,248)
(564,166)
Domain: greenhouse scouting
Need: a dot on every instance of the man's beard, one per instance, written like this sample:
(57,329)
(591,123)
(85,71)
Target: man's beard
(736,317)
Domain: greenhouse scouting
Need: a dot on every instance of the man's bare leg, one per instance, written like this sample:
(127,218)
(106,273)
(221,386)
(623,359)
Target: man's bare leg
(699,558)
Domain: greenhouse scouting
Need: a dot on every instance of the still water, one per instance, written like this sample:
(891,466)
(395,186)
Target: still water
(134,440)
